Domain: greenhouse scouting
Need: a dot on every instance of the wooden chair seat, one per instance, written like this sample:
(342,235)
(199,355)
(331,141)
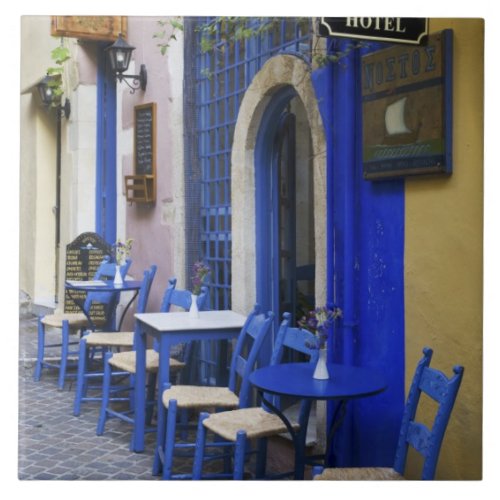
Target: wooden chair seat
(244,425)
(237,394)
(200,397)
(110,339)
(71,323)
(94,346)
(125,361)
(359,474)
(75,320)
(257,423)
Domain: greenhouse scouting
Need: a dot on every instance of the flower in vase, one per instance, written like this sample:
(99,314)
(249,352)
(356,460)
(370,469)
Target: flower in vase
(200,272)
(318,322)
(122,250)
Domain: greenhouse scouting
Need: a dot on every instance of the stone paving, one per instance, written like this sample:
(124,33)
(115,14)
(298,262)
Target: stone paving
(55,445)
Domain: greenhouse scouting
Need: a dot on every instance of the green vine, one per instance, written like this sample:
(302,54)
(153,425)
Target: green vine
(221,33)
(176,26)
(59,55)
(233,29)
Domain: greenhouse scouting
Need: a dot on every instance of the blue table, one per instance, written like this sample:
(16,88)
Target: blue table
(103,286)
(296,380)
(169,329)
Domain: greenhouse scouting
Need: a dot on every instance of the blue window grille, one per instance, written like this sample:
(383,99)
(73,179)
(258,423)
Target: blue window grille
(219,79)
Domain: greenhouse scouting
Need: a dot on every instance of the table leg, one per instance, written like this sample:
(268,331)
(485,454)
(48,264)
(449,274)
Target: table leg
(298,438)
(336,422)
(140,390)
(126,309)
(163,379)
(222,375)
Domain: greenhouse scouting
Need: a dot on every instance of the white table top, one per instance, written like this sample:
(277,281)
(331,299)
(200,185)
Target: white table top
(181,321)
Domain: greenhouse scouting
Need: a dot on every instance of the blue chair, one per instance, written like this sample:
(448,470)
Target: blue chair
(73,322)
(123,363)
(426,441)
(179,399)
(105,341)
(235,428)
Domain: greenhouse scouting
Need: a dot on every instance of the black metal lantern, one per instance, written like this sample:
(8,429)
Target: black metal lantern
(45,90)
(120,54)
(49,97)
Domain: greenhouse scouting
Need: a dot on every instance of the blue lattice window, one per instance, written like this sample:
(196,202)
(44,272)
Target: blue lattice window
(215,86)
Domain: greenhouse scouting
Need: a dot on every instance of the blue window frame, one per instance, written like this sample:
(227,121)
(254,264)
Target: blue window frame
(220,78)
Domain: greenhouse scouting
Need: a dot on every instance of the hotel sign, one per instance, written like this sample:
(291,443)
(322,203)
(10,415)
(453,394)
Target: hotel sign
(407,109)
(385,29)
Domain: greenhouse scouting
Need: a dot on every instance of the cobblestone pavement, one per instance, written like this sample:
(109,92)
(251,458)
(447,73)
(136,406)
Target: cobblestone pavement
(55,445)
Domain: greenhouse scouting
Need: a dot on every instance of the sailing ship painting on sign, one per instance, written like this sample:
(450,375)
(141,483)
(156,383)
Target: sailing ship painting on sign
(406,94)
(397,132)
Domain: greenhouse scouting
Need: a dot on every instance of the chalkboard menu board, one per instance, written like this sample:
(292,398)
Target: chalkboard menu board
(83,257)
(145,139)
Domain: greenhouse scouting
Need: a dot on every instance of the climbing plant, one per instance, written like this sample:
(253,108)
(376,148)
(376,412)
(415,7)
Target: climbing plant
(59,56)
(166,36)
(220,34)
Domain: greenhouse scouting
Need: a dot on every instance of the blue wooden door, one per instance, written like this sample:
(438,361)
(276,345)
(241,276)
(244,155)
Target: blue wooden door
(106,150)
(285,233)
(284,221)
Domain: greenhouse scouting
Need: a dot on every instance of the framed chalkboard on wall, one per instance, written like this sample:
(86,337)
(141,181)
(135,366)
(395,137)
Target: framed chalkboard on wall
(141,187)
(145,139)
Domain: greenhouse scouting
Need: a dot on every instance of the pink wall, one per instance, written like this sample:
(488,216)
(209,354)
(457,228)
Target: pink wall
(87,63)
(153,241)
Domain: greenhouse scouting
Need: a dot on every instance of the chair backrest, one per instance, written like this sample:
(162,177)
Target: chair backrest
(427,441)
(295,339)
(147,281)
(257,326)
(181,298)
(106,271)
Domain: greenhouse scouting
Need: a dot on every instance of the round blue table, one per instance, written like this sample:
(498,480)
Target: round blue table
(296,380)
(103,286)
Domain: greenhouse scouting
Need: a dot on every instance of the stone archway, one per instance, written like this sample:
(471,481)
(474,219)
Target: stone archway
(279,71)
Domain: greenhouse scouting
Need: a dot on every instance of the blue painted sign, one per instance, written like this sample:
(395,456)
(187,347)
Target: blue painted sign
(406,96)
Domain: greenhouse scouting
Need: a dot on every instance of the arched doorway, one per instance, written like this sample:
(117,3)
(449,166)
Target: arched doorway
(283,85)
(279,129)
(285,266)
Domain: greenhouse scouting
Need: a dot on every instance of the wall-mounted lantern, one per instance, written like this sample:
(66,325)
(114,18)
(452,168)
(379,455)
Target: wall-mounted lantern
(119,57)
(51,98)
(46,90)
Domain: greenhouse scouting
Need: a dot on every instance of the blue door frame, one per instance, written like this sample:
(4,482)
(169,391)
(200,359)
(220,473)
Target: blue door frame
(106,196)
(365,253)
(365,266)
(265,182)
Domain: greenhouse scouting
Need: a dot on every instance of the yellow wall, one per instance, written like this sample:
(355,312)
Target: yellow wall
(443,258)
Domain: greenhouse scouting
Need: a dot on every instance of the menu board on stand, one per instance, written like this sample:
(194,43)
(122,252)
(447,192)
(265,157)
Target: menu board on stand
(83,257)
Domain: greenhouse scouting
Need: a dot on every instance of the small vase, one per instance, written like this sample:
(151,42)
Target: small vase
(193,310)
(118,281)
(321,370)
